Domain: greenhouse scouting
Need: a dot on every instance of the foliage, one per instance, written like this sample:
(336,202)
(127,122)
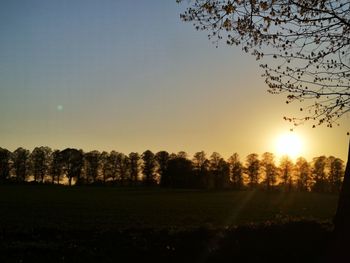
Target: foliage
(252,169)
(112,165)
(336,170)
(286,167)
(92,160)
(236,168)
(201,169)
(308,39)
(270,169)
(162,159)
(20,163)
(134,166)
(56,166)
(303,173)
(220,171)
(40,159)
(5,156)
(319,173)
(73,166)
(122,165)
(105,166)
(149,167)
(179,173)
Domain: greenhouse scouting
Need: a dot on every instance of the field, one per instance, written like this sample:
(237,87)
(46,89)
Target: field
(67,223)
(109,207)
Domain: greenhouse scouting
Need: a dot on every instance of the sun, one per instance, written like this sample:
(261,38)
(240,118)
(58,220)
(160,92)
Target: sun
(289,144)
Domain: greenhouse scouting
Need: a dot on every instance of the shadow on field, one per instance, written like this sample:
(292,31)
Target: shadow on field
(296,241)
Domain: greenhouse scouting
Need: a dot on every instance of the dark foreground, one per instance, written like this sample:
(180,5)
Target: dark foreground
(302,241)
(62,224)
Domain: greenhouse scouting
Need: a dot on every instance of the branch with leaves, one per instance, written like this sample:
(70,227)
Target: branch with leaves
(309,41)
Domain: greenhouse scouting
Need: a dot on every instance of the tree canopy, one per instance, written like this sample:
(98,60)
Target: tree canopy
(309,39)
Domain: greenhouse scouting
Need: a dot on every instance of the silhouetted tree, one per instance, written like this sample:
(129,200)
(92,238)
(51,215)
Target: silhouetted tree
(72,164)
(5,156)
(40,159)
(336,172)
(319,174)
(56,166)
(222,179)
(172,156)
(148,168)
(286,170)
(92,161)
(214,163)
(105,166)
(179,173)
(201,169)
(219,170)
(215,172)
(270,170)
(134,166)
(113,165)
(20,163)
(182,154)
(162,159)
(236,168)
(303,174)
(252,169)
(123,164)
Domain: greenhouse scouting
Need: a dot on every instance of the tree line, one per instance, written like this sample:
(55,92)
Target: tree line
(73,166)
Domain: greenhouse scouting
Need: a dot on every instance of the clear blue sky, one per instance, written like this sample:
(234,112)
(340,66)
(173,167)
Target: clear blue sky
(130,76)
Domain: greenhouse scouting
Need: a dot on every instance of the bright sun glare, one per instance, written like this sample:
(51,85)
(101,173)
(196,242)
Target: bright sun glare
(289,144)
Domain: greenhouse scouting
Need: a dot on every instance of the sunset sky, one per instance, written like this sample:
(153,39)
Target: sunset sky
(130,76)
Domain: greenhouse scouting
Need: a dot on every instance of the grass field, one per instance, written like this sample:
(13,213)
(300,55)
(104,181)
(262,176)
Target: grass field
(117,208)
(42,223)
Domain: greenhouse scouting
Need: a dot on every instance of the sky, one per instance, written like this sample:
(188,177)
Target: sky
(131,76)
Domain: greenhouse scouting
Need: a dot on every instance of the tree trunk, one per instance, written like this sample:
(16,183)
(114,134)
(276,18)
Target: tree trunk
(342,217)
